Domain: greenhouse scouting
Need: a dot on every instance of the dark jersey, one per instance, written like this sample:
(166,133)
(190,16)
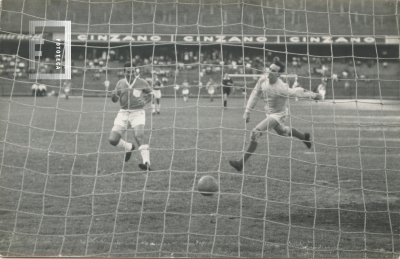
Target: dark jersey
(226,85)
(157,85)
(227,82)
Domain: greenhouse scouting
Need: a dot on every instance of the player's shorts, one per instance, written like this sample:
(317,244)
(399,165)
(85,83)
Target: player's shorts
(66,91)
(322,92)
(273,121)
(157,94)
(185,91)
(226,90)
(211,91)
(129,119)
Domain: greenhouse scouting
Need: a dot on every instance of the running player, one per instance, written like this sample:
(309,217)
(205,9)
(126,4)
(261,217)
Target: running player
(133,94)
(157,85)
(211,88)
(227,83)
(67,89)
(322,88)
(185,90)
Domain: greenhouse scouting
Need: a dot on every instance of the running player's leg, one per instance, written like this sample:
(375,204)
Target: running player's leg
(116,134)
(153,107)
(226,91)
(256,133)
(137,121)
(158,105)
(225,99)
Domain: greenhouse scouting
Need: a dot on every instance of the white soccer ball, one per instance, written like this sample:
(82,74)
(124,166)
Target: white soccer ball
(176,87)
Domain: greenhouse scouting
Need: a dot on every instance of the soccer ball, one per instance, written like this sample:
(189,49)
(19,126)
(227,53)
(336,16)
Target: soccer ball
(207,185)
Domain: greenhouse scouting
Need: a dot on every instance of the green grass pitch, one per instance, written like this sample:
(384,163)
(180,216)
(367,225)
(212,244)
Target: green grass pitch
(64,190)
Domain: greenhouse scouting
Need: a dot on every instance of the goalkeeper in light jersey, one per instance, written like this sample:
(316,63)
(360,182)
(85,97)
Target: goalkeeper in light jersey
(275,94)
(133,94)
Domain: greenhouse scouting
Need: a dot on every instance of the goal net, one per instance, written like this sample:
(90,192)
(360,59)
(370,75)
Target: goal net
(66,189)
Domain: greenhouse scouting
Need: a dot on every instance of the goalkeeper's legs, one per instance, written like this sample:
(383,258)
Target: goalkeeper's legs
(255,134)
(287,131)
(143,147)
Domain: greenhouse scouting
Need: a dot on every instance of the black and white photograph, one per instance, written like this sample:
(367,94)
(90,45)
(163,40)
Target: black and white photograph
(200,128)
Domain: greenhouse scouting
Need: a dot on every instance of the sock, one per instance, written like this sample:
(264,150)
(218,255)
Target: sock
(125,145)
(297,134)
(250,150)
(158,107)
(225,103)
(145,152)
(153,108)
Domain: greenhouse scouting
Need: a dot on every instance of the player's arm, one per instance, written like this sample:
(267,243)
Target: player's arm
(253,99)
(115,94)
(147,93)
(303,93)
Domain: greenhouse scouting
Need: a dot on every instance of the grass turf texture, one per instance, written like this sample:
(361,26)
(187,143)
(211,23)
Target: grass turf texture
(66,191)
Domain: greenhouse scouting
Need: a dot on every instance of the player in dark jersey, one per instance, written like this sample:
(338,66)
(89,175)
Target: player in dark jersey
(227,83)
(157,85)
(133,94)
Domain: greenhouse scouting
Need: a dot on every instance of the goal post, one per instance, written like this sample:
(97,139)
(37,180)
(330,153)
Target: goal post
(73,174)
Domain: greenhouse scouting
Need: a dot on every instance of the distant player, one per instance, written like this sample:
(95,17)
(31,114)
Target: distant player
(107,85)
(42,89)
(275,94)
(67,89)
(133,94)
(211,86)
(322,88)
(157,85)
(34,89)
(227,83)
(185,90)
(296,84)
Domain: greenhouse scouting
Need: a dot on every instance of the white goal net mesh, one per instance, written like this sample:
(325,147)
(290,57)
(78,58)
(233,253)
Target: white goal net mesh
(66,191)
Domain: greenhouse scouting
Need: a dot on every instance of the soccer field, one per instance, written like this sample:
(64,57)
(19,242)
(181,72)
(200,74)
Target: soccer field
(66,191)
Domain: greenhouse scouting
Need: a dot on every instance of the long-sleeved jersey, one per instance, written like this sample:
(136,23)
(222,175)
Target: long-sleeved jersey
(275,95)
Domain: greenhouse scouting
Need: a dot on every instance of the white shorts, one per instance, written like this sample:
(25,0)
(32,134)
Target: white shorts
(157,94)
(211,91)
(322,92)
(129,119)
(185,91)
(66,91)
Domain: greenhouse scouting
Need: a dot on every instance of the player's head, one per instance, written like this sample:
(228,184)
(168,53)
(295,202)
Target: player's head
(131,71)
(275,69)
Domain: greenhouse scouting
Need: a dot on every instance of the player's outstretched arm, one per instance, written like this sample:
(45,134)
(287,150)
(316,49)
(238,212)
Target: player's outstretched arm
(303,93)
(147,94)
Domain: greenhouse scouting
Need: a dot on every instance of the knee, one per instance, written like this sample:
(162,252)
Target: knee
(283,132)
(255,135)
